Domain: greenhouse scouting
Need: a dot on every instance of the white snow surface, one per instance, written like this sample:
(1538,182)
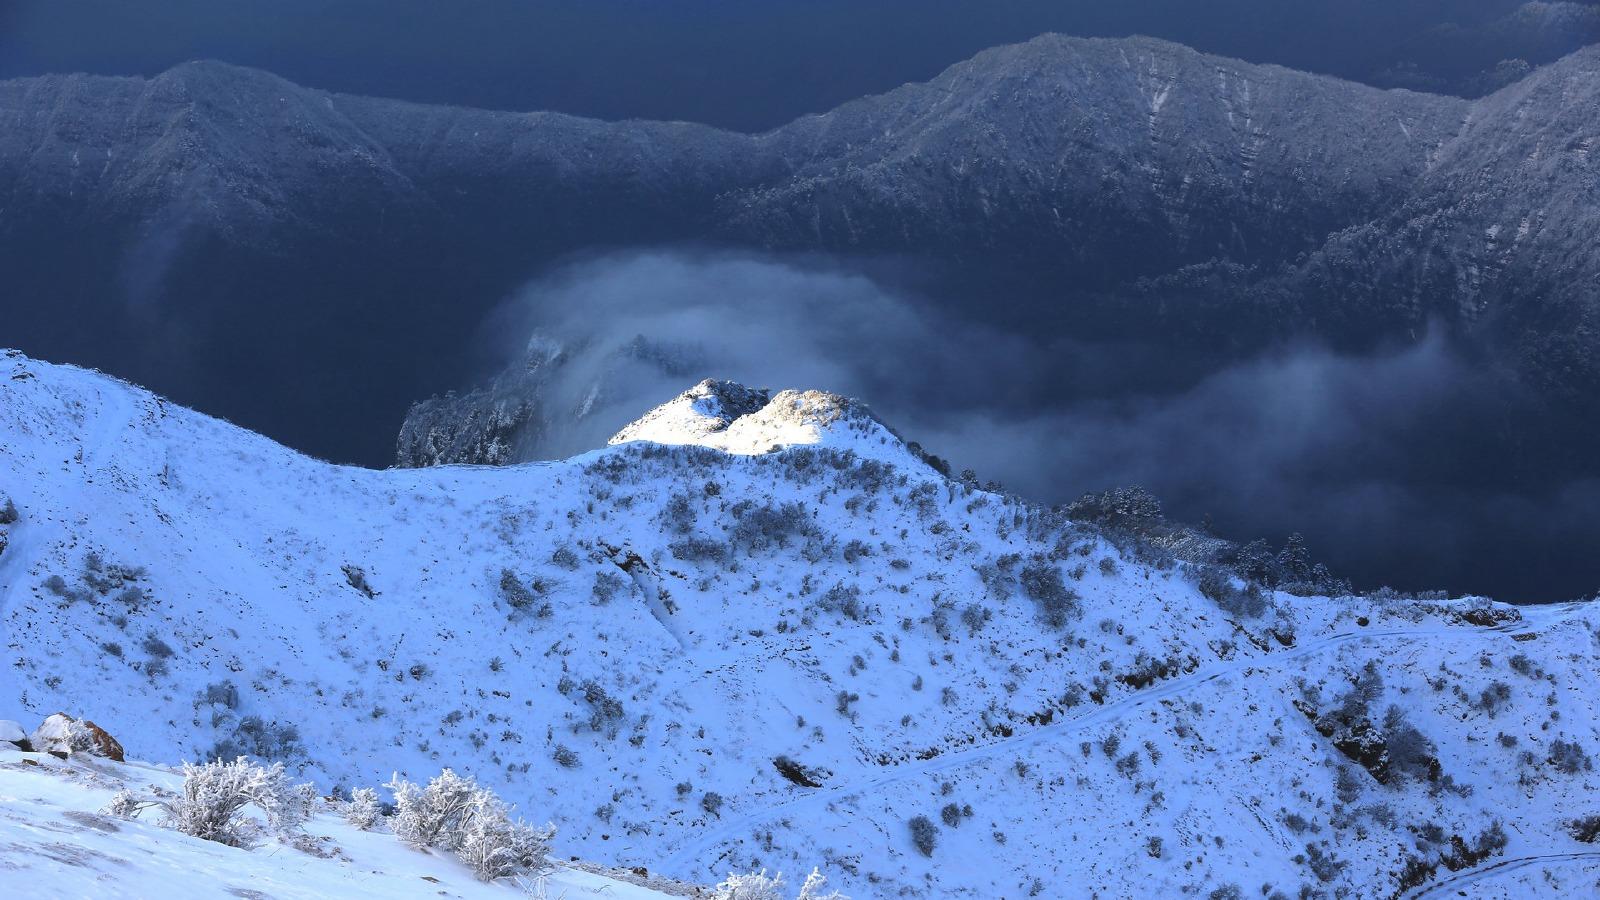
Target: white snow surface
(734,419)
(57,841)
(615,641)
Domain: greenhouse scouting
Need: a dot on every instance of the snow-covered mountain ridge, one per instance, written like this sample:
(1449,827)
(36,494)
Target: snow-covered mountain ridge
(699,661)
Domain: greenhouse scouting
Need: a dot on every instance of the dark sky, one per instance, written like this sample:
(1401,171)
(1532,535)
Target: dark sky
(743,64)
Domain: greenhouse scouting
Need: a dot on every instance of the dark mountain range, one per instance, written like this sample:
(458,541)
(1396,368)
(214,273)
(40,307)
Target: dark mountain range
(160,215)
(268,252)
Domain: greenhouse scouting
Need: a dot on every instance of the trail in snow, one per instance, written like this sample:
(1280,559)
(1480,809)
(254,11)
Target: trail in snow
(1172,687)
(1471,877)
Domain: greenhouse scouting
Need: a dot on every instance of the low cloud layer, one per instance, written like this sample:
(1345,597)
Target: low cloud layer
(1398,466)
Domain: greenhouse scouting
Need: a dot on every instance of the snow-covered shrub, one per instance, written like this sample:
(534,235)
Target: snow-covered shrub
(8,512)
(565,558)
(453,813)
(1410,753)
(1218,587)
(1058,604)
(678,516)
(1585,829)
(494,845)
(125,804)
(1494,697)
(155,646)
(698,549)
(754,886)
(975,616)
(605,711)
(842,701)
(712,803)
(363,810)
(356,577)
(524,597)
(214,796)
(759,528)
(607,585)
(924,835)
(291,807)
(259,739)
(432,816)
(843,599)
(1569,757)
(815,889)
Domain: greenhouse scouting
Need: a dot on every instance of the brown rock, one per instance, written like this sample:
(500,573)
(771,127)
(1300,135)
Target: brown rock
(60,733)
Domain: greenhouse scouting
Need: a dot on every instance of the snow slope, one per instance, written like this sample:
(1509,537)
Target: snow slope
(56,839)
(700,659)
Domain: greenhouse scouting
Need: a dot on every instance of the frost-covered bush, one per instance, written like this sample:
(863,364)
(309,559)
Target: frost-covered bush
(712,803)
(1569,757)
(259,739)
(678,516)
(605,711)
(843,599)
(125,804)
(607,585)
(453,813)
(698,549)
(565,558)
(212,802)
(1585,829)
(8,512)
(815,889)
(842,702)
(1494,697)
(760,528)
(356,577)
(924,835)
(524,597)
(1411,753)
(433,815)
(1058,604)
(363,810)
(754,886)
(1218,587)
(493,845)
(975,616)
